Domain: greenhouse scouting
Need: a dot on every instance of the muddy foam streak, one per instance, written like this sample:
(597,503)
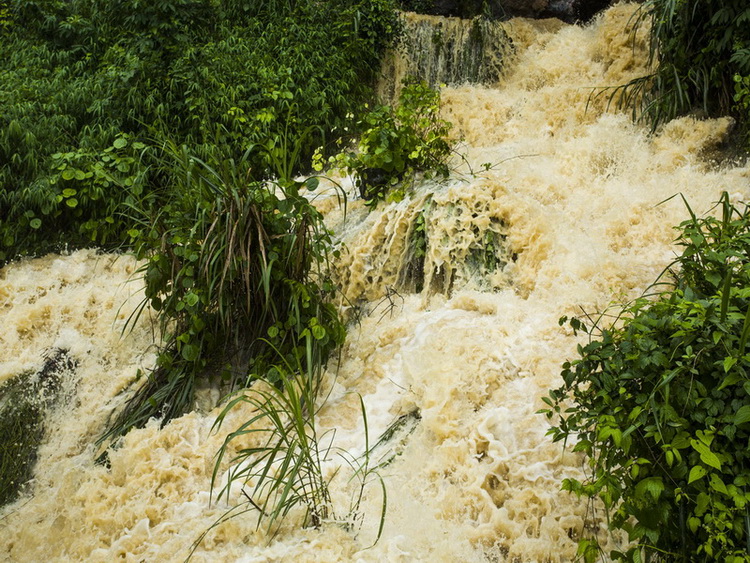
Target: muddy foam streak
(567,217)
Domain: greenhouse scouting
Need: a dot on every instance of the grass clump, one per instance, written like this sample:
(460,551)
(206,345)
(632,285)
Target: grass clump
(24,401)
(237,271)
(278,456)
(659,404)
(700,50)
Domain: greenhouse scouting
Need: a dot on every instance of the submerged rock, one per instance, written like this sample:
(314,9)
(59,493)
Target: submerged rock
(23,403)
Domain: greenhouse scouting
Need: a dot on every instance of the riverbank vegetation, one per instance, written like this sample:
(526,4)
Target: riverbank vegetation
(86,85)
(174,128)
(658,400)
(659,404)
(700,51)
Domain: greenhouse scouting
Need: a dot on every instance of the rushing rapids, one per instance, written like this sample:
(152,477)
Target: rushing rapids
(460,340)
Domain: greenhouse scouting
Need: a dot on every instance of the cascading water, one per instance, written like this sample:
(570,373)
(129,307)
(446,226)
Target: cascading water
(567,217)
(443,50)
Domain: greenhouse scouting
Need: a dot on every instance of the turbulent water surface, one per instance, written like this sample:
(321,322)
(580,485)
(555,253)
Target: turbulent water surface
(566,218)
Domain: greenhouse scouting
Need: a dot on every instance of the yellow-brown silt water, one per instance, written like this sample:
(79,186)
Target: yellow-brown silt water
(567,217)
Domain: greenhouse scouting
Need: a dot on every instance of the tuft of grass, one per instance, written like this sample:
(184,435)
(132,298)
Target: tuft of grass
(237,272)
(282,471)
(696,48)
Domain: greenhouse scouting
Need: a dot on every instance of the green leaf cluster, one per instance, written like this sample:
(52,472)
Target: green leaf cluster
(217,75)
(84,195)
(395,143)
(697,46)
(237,270)
(659,403)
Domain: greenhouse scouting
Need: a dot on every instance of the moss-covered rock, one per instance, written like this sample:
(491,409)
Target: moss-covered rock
(24,400)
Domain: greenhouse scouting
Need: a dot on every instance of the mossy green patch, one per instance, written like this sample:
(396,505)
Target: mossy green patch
(23,402)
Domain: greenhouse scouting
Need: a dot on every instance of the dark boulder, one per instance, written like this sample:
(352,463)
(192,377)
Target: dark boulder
(570,11)
(573,11)
(374,182)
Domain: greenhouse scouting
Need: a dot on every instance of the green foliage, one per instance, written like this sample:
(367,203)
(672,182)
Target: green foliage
(414,273)
(283,469)
(233,74)
(742,100)
(237,270)
(661,404)
(5,16)
(395,143)
(83,197)
(697,46)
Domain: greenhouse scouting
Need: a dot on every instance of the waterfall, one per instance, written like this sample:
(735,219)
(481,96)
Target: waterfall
(454,295)
(442,50)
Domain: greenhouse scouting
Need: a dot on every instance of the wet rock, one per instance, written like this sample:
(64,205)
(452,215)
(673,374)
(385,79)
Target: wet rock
(373,182)
(570,11)
(23,403)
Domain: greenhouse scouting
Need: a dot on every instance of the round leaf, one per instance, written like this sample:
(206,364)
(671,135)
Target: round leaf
(190,352)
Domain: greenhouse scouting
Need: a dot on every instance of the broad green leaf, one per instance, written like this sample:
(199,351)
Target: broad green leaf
(742,415)
(651,485)
(190,352)
(706,455)
(729,362)
(717,484)
(312,183)
(697,472)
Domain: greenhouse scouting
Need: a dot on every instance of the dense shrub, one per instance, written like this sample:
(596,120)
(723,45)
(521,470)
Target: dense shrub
(237,271)
(659,403)
(395,143)
(77,76)
(698,48)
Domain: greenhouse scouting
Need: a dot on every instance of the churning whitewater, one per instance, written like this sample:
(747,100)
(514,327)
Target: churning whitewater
(459,344)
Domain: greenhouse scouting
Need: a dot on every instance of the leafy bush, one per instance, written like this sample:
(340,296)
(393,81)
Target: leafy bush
(83,197)
(661,404)
(698,46)
(397,142)
(237,270)
(231,74)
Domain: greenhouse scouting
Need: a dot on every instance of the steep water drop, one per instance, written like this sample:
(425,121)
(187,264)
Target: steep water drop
(441,50)
(573,193)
